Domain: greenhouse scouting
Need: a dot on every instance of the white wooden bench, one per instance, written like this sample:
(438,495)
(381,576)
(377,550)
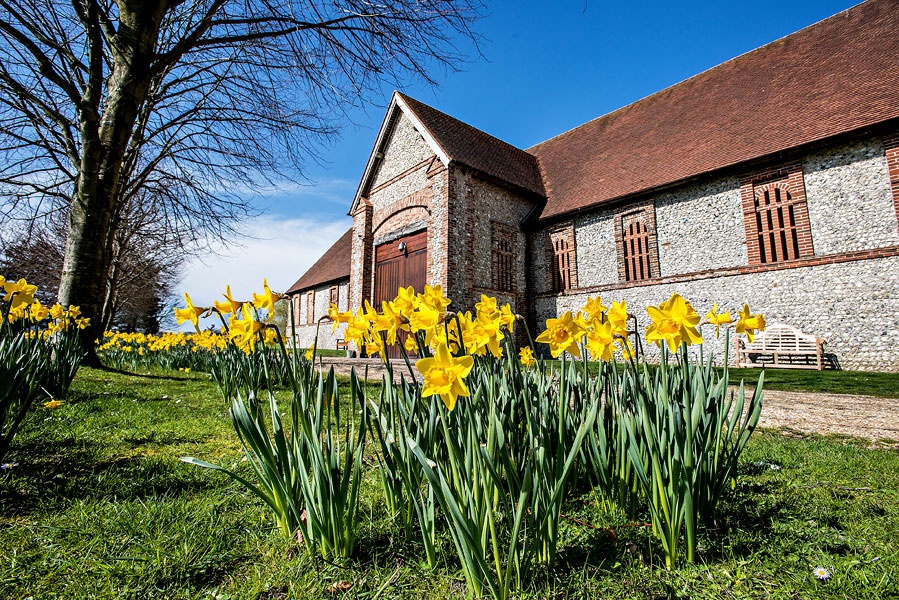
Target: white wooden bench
(784,347)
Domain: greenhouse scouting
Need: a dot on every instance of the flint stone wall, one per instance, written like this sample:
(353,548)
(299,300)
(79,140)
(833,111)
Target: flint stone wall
(305,334)
(854,306)
(477,205)
(850,203)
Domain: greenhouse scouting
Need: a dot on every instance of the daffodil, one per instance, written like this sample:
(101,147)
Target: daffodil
(526,356)
(718,320)
(310,353)
(20,292)
(338,318)
(405,301)
(390,321)
(230,305)
(191,313)
(563,334)
(52,403)
(749,324)
(601,340)
(39,312)
(617,316)
(433,297)
(507,317)
(243,331)
(267,299)
(444,375)
(594,308)
(674,322)
(57,312)
(487,306)
(410,344)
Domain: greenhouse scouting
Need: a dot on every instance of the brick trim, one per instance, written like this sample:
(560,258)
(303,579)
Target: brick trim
(891,148)
(564,232)
(814,261)
(425,163)
(790,176)
(418,199)
(646,210)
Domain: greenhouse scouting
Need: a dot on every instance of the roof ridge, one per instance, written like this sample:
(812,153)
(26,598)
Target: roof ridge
(697,75)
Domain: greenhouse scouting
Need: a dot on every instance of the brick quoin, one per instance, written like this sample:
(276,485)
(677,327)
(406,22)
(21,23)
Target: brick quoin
(891,147)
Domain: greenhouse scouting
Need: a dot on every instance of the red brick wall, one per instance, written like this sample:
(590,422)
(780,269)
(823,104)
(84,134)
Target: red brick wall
(562,232)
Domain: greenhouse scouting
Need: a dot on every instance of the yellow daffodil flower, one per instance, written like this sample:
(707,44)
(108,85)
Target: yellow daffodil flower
(338,318)
(52,403)
(191,313)
(410,344)
(718,320)
(310,353)
(750,324)
(433,297)
(74,312)
(230,305)
(20,292)
(390,322)
(507,317)
(594,308)
(39,312)
(617,316)
(600,341)
(243,332)
(444,375)
(57,312)
(563,334)
(405,301)
(526,356)
(487,306)
(674,322)
(267,299)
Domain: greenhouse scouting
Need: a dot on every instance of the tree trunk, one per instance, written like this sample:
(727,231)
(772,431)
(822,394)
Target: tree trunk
(106,127)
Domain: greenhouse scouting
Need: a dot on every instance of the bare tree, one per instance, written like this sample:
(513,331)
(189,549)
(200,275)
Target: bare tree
(190,104)
(141,280)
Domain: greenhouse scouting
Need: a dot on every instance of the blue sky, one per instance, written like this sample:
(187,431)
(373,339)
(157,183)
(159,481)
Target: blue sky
(546,67)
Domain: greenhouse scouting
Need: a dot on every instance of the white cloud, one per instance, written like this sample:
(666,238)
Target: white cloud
(280,249)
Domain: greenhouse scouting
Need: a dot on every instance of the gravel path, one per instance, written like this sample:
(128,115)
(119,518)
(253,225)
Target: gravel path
(876,419)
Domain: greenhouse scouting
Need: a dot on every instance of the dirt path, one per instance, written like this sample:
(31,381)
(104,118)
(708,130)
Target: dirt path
(876,419)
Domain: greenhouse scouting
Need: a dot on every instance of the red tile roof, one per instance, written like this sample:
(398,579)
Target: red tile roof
(472,147)
(836,76)
(334,264)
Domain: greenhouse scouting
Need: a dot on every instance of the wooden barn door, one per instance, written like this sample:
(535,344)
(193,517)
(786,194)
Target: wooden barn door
(400,263)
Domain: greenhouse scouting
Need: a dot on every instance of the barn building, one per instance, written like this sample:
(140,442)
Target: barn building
(772,178)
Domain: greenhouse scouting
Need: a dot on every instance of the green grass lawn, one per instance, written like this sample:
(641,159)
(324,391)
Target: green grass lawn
(99,506)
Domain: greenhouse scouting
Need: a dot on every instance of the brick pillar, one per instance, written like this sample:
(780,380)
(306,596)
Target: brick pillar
(361,263)
(891,146)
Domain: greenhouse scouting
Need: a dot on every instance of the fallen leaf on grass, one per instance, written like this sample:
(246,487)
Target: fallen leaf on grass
(340,586)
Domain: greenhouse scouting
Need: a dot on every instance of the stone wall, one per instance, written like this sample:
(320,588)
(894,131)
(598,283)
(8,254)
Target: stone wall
(305,334)
(407,192)
(853,305)
(850,204)
(848,293)
(478,207)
